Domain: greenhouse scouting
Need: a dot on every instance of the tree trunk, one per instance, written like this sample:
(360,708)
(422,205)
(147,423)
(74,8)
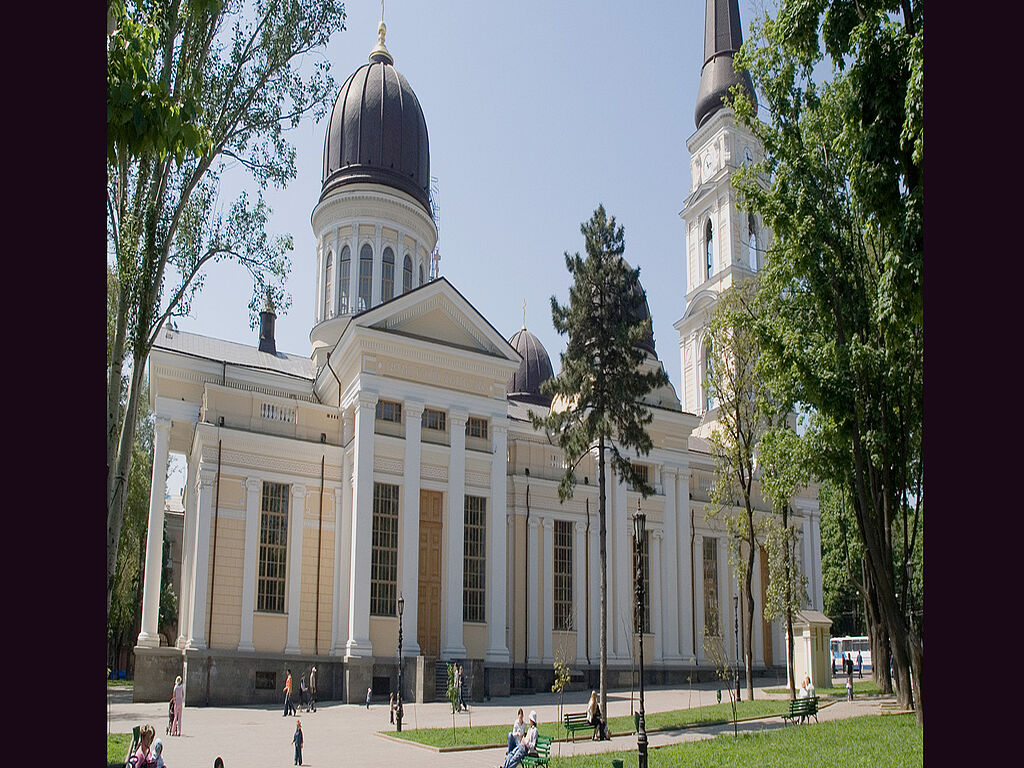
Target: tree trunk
(748,627)
(603,664)
(789,607)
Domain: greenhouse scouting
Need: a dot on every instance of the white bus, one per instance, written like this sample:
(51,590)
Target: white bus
(851,645)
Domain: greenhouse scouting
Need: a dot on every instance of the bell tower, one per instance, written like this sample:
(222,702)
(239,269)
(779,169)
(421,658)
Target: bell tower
(724,243)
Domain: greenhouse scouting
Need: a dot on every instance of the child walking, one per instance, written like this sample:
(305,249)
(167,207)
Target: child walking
(297,741)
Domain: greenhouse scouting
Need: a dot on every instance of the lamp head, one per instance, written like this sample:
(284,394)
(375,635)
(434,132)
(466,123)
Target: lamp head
(401,605)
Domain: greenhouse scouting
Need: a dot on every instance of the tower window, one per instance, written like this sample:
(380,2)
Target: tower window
(407,274)
(709,251)
(421,275)
(387,275)
(365,277)
(328,292)
(344,265)
(752,243)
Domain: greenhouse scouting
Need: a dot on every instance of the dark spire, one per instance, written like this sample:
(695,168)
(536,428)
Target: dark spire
(722,38)
(267,317)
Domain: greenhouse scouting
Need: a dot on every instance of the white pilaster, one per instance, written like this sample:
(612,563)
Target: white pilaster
(698,597)
(548,590)
(202,560)
(250,561)
(725,625)
(620,612)
(149,637)
(533,607)
(579,583)
(816,560)
(342,541)
(670,581)
(410,540)
(378,267)
(497,649)
(297,513)
(358,644)
(187,559)
(455,525)
(655,586)
(686,560)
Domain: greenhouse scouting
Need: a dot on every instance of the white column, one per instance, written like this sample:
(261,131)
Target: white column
(378,262)
(353,269)
(533,606)
(655,586)
(297,522)
(513,606)
(455,525)
(698,594)
(670,581)
(758,633)
(149,637)
(805,550)
(816,560)
(548,590)
(595,591)
(579,583)
(201,576)
(342,540)
(250,561)
(187,558)
(413,413)
(497,649)
(358,644)
(620,612)
(725,627)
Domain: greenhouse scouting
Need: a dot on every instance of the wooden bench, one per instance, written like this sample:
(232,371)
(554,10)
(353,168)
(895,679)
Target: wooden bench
(577,721)
(543,752)
(801,708)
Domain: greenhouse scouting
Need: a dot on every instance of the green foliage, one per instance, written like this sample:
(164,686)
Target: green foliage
(602,380)
(841,553)
(452,692)
(562,677)
(891,741)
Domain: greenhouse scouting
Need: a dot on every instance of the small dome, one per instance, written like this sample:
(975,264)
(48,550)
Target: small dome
(377,132)
(533,370)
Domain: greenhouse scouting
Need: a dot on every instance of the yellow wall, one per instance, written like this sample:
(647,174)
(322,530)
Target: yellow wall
(474,637)
(384,635)
(269,632)
(230,550)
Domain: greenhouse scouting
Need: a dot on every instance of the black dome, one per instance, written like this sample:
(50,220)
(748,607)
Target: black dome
(377,133)
(534,370)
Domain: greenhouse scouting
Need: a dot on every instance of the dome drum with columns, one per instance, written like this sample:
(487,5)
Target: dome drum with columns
(399,458)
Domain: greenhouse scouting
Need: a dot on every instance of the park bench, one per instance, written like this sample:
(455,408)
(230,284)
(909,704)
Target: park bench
(543,752)
(577,721)
(801,708)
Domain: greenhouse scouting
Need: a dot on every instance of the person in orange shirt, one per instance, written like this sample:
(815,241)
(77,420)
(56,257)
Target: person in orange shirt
(288,706)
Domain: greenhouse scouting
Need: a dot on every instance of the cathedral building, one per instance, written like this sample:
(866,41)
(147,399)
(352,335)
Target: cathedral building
(391,480)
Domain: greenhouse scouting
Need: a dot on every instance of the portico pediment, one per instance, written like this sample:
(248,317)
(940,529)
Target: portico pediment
(438,313)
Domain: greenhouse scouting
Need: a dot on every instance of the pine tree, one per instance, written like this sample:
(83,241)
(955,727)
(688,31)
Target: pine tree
(597,394)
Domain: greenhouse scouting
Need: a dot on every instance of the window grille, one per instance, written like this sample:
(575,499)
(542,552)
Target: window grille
(270,586)
(384,554)
(563,608)
(474,559)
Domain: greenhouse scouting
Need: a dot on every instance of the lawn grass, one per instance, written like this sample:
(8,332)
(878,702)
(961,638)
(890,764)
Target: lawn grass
(120,683)
(117,746)
(498,734)
(866,687)
(872,741)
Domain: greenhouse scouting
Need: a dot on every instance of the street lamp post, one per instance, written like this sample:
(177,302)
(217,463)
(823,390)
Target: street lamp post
(639,521)
(401,609)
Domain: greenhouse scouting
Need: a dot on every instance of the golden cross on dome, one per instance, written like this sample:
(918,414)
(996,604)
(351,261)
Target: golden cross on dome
(524,314)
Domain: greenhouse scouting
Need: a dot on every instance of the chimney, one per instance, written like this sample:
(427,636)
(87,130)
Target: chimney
(267,317)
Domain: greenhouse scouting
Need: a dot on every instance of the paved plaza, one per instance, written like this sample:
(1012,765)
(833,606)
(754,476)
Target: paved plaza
(260,736)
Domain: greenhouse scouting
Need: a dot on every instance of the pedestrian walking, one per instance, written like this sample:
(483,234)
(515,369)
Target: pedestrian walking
(860,665)
(178,695)
(312,689)
(297,741)
(288,706)
(368,691)
(392,708)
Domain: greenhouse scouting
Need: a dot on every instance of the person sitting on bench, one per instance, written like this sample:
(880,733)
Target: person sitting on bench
(595,718)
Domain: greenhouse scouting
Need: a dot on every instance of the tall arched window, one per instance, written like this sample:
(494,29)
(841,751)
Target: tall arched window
(709,400)
(365,277)
(328,287)
(407,274)
(752,243)
(421,275)
(387,275)
(344,266)
(709,251)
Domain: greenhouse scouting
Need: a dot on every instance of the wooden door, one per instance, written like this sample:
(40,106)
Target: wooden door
(428,629)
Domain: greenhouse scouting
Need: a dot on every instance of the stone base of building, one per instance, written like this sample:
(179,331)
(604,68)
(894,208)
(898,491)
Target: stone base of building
(155,672)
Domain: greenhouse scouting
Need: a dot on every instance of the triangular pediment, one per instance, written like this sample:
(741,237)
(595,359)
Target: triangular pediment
(438,313)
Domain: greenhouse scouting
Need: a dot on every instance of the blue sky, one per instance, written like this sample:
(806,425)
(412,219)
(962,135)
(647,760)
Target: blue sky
(536,113)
